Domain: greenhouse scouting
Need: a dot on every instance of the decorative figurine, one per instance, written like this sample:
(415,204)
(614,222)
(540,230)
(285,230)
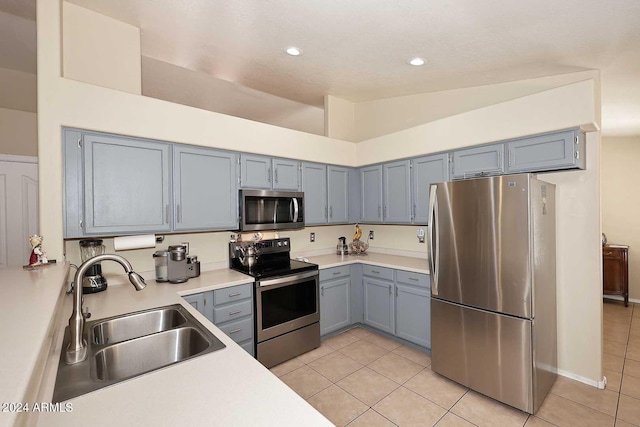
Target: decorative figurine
(38,255)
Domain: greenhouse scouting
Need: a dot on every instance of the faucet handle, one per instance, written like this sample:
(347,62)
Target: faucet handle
(86,313)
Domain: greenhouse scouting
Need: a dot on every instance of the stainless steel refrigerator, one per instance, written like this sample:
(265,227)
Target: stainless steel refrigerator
(492,251)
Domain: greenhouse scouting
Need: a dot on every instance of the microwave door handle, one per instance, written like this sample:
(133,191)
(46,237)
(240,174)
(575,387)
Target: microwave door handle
(275,211)
(295,209)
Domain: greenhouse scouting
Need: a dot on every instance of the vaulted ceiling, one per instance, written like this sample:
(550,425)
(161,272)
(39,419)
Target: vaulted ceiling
(358,49)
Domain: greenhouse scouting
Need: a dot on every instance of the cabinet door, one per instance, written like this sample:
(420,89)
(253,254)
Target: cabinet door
(413,315)
(378,304)
(426,171)
(371,195)
(334,305)
(203,303)
(126,185)
(255,171)
(314,186)
(338,179)
(286,174)
(554,151)
(397,192)
(478,161)
(205,189)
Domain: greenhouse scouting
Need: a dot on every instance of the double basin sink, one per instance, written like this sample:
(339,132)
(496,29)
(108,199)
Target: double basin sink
(123,347)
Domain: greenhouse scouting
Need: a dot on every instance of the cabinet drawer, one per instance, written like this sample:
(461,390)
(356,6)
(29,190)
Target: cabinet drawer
(234,293)
(233,311)
(375,271)
(248,347)
(335,273)
(613,253)
(239,331)
(410,278)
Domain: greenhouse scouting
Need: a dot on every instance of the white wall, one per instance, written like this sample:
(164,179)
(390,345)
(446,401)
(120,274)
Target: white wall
(339,118)
(385,116)
(18,132)
(620,204)
(100,50)
(18,90)
(177,84)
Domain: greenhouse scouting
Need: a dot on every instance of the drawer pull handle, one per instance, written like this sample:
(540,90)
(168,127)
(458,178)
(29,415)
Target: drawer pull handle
(233,313)
(235,331)
(336,273)
(608,253)
(375,271)
(235,294)
(414,279)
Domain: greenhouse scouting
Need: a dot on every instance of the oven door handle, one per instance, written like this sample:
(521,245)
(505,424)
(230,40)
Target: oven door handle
(286,279)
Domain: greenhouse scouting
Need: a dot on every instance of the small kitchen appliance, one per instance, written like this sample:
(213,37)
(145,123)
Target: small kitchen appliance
(342,248)
(271,210)
(174,265)
(286,291)
(93,280)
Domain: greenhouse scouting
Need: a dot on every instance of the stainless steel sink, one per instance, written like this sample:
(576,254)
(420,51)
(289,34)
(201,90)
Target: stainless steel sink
(137,325)
(145,354)
(126,346)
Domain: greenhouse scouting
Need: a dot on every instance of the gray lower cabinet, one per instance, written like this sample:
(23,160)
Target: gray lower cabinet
(335,290)
(231,310)
(233,314)
(424,172)
(314,186)
(127,185)
(338,194)
(396,194)
(379,302)
(371,193)
(478,161)
(203,302)
(413,307)
(264,172)
(552,151)
(205,189)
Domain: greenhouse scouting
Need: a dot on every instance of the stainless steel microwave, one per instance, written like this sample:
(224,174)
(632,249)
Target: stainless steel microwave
(271,210)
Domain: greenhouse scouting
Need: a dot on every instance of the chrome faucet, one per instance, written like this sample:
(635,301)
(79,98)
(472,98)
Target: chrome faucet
(77,350)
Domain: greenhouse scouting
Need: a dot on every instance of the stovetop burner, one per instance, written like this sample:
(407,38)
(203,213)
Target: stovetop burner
(273,259)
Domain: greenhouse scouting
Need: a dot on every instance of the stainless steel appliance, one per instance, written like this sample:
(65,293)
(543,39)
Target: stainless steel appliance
(93,280)
(493,286)
(287,310)
(271,210)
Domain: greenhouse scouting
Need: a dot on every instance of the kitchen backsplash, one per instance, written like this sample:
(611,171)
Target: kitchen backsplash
(212,250)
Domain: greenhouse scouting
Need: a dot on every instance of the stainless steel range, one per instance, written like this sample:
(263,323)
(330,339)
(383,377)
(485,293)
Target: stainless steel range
(286,298)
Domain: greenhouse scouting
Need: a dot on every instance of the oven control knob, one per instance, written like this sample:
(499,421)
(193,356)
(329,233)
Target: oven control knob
(279,243)
(285,243)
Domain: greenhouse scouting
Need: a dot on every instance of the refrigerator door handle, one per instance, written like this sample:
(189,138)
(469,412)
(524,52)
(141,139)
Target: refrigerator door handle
(434,250)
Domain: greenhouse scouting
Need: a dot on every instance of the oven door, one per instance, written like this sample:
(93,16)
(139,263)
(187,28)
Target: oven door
(286,304)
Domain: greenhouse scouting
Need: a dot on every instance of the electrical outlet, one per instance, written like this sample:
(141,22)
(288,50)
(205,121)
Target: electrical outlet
(370,234)
(312,237)
(421,235)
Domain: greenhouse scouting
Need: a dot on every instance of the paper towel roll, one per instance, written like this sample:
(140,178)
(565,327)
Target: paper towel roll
(134,242)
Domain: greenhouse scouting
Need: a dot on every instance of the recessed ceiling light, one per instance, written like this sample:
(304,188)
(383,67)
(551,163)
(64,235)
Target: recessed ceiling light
(417,61)
(293,51)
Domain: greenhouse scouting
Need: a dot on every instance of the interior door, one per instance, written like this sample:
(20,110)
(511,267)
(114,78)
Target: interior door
(18,209)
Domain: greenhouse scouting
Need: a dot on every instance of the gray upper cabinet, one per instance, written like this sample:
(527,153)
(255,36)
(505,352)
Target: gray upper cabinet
(205,189)
(126,185)
(314,186)
(478,161)
(263,172)
(286,174)
(426,171)
(397,192)
(255,171)
(371,194)
(552,151)
(338,191)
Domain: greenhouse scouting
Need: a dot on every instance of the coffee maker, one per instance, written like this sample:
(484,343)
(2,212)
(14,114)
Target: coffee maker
(93,280)
(175,265)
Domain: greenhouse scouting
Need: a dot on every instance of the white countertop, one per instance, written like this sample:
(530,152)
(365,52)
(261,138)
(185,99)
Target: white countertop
(226,387)
(416,265)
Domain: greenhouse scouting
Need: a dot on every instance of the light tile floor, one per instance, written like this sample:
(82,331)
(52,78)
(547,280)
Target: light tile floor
(360,378)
